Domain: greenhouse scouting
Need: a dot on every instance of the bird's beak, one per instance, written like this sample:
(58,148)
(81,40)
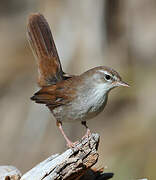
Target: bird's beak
(122,83)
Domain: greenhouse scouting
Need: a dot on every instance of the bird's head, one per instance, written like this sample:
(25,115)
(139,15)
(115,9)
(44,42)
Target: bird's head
(106,78)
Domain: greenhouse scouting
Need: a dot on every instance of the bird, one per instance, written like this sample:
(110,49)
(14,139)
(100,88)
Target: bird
(70,98)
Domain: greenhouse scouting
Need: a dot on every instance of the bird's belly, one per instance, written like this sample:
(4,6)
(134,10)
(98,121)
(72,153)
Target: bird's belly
(80,111)
(95,109)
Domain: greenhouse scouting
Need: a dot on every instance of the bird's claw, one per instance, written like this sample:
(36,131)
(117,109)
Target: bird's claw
(88,133)
(72,144)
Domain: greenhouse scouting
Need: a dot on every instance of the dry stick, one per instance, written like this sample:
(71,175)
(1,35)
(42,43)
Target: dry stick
(9,173)
(71,164)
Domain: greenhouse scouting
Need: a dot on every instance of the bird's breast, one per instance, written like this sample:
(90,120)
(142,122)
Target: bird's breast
(85,106)
(95,105)
(91,103)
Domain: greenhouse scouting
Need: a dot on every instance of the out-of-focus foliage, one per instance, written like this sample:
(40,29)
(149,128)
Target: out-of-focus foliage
(120,34)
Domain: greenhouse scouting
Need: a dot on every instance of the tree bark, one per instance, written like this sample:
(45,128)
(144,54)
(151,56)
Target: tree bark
(73,164)
(9,173)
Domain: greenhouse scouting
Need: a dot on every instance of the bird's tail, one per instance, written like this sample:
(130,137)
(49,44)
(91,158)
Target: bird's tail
(44,49)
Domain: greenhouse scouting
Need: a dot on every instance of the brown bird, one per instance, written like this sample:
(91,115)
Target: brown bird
(69,97)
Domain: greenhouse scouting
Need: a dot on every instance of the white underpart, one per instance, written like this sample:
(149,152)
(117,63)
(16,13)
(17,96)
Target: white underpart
(94,101)
(98,95)
(85,106)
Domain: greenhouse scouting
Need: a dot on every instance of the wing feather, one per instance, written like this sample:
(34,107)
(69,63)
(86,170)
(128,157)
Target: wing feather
(56,95)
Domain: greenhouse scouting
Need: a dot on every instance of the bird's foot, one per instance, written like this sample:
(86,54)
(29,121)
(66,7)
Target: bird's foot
(71,144)
(88,133)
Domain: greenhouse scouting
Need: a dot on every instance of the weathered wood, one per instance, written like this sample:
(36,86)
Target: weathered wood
(71,164)
(9,173)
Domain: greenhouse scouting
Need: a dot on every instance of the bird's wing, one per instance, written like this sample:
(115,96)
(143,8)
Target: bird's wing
(55,95)
(43,47)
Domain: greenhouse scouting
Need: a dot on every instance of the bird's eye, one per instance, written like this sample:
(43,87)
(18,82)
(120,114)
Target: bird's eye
(107,77)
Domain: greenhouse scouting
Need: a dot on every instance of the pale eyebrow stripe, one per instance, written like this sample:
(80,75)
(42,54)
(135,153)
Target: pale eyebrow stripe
(105,72)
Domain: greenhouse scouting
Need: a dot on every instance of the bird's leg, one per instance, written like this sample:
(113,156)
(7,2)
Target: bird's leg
(88,133)
(69,143)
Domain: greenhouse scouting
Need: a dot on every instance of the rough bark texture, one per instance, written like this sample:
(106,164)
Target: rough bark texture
(73,164)
(9,173)
(68,165)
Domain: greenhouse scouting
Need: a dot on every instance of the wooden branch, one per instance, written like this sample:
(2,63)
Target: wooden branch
(69,165)
(73,164)
(9,173)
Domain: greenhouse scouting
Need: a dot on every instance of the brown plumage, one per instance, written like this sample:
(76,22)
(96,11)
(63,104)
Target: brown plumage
(69,98)
(58,94)
(43,46)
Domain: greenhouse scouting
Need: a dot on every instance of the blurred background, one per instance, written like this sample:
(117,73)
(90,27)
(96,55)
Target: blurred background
(120,34)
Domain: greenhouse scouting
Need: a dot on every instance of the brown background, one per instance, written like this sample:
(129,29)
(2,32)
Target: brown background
(120,34)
